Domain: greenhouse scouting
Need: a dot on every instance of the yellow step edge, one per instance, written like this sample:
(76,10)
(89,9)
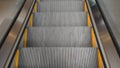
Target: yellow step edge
(35,8)
(31,20)
(100,64)
(38,0)
(93,39)
(88,19)
(85,6)
(88,16)
(16,59)
(31,17)
(25,38)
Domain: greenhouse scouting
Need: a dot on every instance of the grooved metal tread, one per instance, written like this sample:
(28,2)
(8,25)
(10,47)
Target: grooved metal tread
(60,6)
(60,19)
(58,57)
(59,37)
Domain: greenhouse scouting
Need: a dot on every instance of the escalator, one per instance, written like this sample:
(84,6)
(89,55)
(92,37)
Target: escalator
(59,37)
(57,34)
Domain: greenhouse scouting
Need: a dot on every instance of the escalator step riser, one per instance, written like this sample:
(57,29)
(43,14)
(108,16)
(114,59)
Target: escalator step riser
(53,57)
(60,6)
(59,37)
(60,19)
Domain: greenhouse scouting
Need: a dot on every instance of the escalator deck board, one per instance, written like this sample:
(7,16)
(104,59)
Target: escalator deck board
(58,57)
(60,19)
(60,6)
(59,36)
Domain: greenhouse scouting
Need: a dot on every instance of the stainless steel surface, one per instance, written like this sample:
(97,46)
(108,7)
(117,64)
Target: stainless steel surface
(111,11)
(4,28)
(9,10)
(105,42)
(59,37)
(58,57)
(60,19)
(9,46)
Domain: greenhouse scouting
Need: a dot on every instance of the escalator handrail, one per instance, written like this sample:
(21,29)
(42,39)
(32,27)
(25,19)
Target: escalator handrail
(105,44)
(111,24)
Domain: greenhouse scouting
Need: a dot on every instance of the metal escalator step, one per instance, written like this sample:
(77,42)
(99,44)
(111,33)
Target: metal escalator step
(58,57)
(60,19)
(59,37)
(60,6)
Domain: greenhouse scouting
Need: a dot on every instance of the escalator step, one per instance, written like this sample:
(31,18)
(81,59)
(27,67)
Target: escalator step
(60,19)
(58,57)
(59,36)
(60,6)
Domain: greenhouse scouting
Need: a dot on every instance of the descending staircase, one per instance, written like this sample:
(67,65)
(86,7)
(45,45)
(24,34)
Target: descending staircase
(59,37)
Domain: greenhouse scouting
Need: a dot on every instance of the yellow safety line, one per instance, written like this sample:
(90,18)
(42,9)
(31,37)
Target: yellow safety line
(25,38)
(35,8)
(16,59)
(85,6)
(93,39)
(88,16)
(88,19)
(31,17)
(100,64)
(38,0)
(31,20)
